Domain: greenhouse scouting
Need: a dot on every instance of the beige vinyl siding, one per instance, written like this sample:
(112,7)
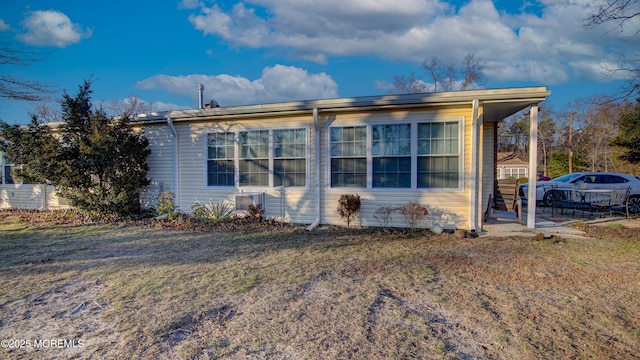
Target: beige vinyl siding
(160,163)
(296,204)
(448,208)
(487,166)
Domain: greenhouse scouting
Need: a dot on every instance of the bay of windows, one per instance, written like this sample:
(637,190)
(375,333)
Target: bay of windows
(408,155)
(264,158)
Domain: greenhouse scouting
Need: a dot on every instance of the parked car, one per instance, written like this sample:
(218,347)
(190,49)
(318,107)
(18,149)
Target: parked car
(543,177)
(586,180)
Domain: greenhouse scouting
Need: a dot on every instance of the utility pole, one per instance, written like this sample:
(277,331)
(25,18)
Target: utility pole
(571,114)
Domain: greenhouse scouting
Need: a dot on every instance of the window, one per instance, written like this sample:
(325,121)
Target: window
(259,158)
(348,156)
(391,152)
(438,159)
(289,164)
(613,179)
(220,163)
(254,158)
(408,155)
(6,168)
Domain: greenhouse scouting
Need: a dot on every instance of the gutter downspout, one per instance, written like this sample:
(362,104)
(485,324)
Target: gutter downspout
(316,127)
(176,192)
(473,183)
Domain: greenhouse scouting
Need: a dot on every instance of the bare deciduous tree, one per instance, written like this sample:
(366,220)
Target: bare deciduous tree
(620,13)
(442,77)
(132,105)
(14,88)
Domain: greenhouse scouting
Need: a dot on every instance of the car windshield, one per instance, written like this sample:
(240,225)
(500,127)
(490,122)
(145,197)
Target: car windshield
(567,177)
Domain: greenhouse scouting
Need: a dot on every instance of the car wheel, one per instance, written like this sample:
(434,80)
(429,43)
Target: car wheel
(634,204)
(552,196)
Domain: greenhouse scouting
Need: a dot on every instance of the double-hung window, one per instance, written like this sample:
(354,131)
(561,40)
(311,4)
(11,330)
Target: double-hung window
(348,156)
(411,155)
(391,155)
(260,158)
(438,155)
(220,160)
(254,158)
(289,157)
(6,167)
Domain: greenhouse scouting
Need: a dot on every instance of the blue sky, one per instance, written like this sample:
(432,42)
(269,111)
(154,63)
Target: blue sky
(261,51)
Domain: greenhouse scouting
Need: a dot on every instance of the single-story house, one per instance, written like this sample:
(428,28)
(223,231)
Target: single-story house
(297,158)
(509,166)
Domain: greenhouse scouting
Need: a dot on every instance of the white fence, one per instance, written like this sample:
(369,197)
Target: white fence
(43,197)
(30,197)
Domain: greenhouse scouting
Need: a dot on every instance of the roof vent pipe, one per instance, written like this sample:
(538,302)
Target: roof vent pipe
(200,96)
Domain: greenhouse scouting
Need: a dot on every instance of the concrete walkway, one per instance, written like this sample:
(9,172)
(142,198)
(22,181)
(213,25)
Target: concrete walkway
(506,223)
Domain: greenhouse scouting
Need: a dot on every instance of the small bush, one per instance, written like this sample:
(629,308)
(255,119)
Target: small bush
(383,215)
(413,213)
(255,213)
(166,204)
(215,212)
(348,207)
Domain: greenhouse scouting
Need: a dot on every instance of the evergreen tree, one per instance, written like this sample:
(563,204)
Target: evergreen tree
(97,162)
(629,134)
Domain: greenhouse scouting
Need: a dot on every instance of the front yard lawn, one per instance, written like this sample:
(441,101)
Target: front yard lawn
(125,291)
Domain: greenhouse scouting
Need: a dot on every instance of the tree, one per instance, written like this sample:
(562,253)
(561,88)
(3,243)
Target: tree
(130,106)
(34,147)
(443,77)
(97,162)
(13,88)
(599,126)
(546,137)
(629,134)
(620,13)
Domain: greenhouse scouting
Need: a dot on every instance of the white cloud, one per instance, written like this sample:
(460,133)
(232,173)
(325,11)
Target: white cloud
(4,26)
(542,45)
(51,28)
(189,4)
(277,83)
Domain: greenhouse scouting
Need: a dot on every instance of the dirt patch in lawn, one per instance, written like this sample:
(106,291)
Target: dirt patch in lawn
(134,291)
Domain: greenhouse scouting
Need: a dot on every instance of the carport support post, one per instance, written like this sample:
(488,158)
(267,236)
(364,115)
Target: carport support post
(533,166)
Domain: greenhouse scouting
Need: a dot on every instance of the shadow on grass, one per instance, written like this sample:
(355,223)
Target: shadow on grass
(81,248)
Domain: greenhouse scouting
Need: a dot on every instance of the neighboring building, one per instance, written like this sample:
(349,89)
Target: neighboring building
(509,166)
(5,170)
(15,195)
(297,158)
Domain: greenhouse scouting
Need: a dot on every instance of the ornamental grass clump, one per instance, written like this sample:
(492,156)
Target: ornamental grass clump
(216,212)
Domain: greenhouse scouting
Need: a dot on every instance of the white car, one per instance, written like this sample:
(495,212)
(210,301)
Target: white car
(586,180)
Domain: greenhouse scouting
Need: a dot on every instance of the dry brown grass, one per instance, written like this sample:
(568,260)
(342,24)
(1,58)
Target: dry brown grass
(141,292)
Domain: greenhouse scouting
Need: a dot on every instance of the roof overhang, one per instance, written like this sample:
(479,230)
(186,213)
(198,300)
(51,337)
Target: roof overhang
(497,104)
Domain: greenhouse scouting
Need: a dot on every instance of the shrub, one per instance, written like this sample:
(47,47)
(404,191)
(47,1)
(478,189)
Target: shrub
(413,213)
(348,207)
(255,213)
(166,205)
(215,212)
(383,215)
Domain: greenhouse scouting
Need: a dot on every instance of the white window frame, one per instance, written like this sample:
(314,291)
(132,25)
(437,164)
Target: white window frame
(206,159)
(4,167)
(238,158)
(414,153)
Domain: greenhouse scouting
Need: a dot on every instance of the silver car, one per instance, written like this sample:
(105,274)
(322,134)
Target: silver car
(586,180)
